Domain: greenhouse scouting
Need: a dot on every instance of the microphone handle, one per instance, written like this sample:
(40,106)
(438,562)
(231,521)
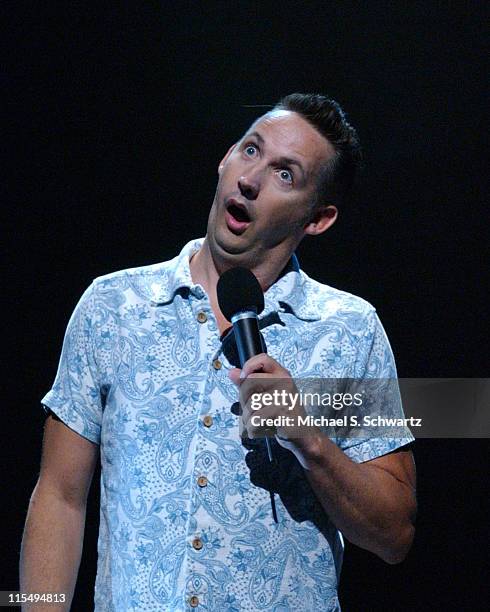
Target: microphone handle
(249,343)
(247,336)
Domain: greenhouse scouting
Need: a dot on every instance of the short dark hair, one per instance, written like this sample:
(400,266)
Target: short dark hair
(326,115)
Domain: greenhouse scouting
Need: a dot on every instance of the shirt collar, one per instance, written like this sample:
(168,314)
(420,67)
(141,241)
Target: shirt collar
(290,292)
(176,274)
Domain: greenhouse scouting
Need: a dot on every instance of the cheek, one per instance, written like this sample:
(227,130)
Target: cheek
(285,206)
(233,164)
(228,176)
(277,222)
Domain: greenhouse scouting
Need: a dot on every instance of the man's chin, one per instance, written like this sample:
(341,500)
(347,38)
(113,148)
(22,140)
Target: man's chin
(226,244)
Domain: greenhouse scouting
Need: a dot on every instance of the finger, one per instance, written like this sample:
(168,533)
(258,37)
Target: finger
(234,376)
(256,384)
(259,363)
(256,428)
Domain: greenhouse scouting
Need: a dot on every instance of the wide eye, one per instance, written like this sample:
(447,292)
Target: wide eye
(251,150)
(286,175)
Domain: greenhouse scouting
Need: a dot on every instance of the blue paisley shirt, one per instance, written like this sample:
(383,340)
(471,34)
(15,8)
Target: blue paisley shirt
(185,514)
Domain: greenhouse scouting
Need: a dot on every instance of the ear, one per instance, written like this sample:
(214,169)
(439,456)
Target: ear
(225,158)
(323,218)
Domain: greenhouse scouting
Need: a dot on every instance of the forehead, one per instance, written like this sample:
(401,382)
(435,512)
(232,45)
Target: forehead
(288,134)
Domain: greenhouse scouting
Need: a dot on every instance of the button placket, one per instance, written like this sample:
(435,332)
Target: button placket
(207,330)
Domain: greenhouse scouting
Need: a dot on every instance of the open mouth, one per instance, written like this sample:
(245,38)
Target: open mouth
(237,217)
(238,212)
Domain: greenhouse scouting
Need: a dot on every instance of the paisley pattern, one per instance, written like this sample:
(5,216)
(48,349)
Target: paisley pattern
(138,374)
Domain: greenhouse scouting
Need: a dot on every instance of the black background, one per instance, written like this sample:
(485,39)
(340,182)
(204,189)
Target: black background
(117,118)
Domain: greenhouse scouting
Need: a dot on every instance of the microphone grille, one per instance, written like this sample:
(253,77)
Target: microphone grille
(238,289)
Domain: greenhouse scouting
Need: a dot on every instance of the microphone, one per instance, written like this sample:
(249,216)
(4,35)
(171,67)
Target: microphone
(241,300)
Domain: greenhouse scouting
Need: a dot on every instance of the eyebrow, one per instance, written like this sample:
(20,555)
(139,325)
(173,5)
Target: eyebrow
(286,161)
(255,135)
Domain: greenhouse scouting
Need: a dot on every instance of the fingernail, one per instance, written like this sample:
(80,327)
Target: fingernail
(243,375)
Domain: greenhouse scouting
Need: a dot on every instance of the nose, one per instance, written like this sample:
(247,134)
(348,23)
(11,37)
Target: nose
(249,186)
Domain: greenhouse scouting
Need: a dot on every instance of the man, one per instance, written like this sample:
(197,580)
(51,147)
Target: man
(185,518)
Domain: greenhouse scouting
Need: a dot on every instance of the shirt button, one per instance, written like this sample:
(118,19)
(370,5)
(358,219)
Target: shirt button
(202,317)
(202,481)
(208,420)
(197,543)
(217,364)
(194,601)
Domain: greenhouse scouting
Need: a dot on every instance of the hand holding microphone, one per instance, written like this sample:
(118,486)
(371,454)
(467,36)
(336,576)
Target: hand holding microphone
(241,300)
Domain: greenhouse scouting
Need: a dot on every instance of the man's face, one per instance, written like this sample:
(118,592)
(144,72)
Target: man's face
(266,187)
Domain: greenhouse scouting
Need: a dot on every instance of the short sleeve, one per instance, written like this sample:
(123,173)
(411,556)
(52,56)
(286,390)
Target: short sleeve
(76,394)
(375,365)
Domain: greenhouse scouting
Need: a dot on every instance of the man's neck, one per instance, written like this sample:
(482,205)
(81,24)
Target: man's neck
(205,271)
